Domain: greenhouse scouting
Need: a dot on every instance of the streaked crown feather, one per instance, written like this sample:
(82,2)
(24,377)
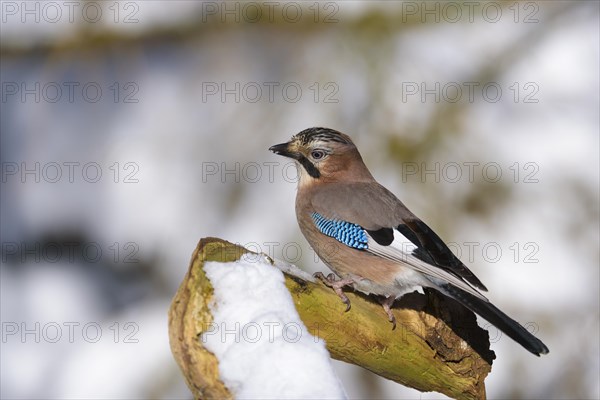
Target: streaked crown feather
(316,134)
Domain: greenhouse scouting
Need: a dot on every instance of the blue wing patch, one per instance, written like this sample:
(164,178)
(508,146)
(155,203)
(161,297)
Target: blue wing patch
(350,234)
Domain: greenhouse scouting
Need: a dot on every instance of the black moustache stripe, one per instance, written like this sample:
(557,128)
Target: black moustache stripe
(309,167)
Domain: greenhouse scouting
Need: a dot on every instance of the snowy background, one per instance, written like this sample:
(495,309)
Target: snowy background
(129,130)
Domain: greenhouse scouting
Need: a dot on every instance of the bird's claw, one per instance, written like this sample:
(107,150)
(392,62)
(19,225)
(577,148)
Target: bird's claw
(387,307)
(344,298)
(336,285)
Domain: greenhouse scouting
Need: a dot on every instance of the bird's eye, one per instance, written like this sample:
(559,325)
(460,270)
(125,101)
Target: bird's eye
(317,154)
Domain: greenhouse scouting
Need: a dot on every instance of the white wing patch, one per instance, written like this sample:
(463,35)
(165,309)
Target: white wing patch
(400,250)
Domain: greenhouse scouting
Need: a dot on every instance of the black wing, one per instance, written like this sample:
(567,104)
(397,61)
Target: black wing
(430,248)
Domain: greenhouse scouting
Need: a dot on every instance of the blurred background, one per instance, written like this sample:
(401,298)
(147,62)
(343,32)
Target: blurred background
(131,129)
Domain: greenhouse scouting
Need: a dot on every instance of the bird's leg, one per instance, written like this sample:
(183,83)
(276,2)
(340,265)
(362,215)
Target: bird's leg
(387,303)
(336,285)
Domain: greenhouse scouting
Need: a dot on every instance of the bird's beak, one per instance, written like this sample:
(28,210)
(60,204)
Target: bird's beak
(283,149)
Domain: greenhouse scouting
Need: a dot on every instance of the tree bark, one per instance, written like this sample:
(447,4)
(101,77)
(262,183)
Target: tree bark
(437,345)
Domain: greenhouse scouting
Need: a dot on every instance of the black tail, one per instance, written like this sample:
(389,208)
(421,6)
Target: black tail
(496,317)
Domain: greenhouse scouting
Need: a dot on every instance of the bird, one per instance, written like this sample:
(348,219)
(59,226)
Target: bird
(371,240)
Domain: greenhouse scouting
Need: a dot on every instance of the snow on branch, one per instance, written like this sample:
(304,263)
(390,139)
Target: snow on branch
(234,332)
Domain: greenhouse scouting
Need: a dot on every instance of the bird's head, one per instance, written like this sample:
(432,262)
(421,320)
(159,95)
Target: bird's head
(324,155)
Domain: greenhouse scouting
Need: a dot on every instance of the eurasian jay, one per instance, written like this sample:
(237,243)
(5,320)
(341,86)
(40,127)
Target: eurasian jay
(371,240)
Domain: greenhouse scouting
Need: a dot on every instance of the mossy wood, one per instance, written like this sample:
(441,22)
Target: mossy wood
(437,345)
